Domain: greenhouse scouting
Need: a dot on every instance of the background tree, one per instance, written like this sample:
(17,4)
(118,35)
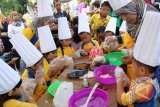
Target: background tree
(7,6)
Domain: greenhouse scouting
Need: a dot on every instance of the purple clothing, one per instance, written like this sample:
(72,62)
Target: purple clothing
(75,45)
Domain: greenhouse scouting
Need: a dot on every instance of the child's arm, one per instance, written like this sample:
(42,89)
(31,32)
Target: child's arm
(120,90)
(139,92)
(122,81)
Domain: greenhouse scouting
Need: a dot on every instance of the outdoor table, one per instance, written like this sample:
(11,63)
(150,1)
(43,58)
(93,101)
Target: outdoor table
(77,84)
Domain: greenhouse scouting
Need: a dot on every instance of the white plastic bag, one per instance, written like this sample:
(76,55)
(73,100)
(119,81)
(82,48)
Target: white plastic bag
(28,87)
(120,75)
(39,76)
(63,94)
(68,60)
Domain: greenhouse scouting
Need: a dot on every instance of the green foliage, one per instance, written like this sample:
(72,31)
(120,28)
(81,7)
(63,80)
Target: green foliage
(7,6)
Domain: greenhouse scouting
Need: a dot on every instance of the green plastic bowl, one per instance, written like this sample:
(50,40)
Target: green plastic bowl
(53,87)
(115,58)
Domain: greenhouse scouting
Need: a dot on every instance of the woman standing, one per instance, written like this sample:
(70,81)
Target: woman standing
(133,11)
(16,26)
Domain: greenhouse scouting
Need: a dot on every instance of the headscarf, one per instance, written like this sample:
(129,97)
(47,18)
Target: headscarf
(135,7)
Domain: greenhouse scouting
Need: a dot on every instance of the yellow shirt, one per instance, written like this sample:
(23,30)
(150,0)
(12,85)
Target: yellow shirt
(89,45)
(67,51)
(46,69)
(29,34)
(96,22)
(127,40)
(16,103)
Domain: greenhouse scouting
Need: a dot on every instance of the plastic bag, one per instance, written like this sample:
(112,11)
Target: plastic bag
(110,44)
(77,54)
(120,75)
(63,94)
(39,76)
(57,63)
(68,60)
(28,87)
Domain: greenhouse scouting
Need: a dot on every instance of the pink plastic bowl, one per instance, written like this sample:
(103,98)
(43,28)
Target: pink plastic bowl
(105,69)
(100,98)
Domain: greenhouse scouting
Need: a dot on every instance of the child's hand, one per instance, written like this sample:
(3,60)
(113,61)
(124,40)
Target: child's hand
(52,71)
(83,53)
(127,59)
(77,54)
(57,63)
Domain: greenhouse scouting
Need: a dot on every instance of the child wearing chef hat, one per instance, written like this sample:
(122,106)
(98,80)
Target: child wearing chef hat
(34,61)
(84,32)
(111,27)
(144,89)
(10,91)
(49,50)
(64,35)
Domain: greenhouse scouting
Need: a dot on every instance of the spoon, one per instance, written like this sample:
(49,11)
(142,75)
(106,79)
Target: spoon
(90,95)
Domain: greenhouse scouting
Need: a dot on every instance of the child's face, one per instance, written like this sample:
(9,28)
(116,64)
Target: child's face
(85,37)
(109,33)
(52,55)
(16,92)
(36,66)
(104,11)
(101,35)
(66,42)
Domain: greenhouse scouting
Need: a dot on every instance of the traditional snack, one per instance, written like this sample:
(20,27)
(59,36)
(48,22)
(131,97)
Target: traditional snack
(110,44)
(81,66)
(105,76)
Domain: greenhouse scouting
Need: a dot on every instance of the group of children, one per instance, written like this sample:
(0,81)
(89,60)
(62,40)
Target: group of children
(144,87)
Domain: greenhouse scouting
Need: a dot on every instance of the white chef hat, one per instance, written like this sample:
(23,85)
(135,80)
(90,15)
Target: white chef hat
(9,78)
(117,4)
(147,47)
(47,43)
(28,52)
(63,29)
(111,26)
(44,8)
(123,27)
(83,24)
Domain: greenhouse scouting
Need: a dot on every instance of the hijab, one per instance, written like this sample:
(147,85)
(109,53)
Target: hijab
(135,7)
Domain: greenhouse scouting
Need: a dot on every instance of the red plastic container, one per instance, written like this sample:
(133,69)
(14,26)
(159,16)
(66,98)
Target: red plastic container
(100,98)
(103,70)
